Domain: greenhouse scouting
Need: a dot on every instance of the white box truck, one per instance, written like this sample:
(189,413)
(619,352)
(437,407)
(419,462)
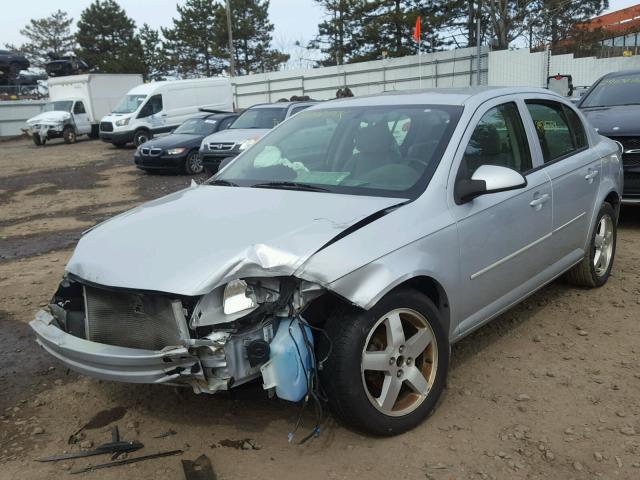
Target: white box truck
(159,107)
(77,103)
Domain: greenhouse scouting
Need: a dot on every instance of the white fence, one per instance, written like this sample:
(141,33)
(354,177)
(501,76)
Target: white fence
(14,113)
(519,67)
(452,68)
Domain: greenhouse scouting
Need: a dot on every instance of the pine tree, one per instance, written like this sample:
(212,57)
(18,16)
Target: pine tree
(107,40)
(556,19)
(195,43)
(252,37)
(341,34)
(51,34)
(153,55)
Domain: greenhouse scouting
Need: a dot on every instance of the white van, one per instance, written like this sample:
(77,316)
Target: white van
(159,107)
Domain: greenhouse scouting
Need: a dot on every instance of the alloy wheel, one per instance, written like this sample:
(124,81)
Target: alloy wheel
(399,362)
(603,245)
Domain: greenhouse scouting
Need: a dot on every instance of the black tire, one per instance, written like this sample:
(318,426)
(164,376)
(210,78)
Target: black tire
(344,381)
(585,273)
(69,135)
(141,136)
(38,140)
(193,163)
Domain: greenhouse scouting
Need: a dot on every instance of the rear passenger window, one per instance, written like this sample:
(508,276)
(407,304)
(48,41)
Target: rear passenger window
(560,131)
(498,139)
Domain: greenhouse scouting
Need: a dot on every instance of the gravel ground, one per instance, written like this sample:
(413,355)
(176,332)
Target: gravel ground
(550,390)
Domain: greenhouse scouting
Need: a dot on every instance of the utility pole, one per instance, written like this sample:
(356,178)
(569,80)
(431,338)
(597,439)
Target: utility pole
(478,33)
(232,60)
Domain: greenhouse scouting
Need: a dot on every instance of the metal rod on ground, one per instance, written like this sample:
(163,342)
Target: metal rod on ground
(232,61)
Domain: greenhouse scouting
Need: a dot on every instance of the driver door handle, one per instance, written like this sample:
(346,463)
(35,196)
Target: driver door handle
(541,200)
(591,175)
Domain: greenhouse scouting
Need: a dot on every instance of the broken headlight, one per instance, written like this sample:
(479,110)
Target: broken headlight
(237,297)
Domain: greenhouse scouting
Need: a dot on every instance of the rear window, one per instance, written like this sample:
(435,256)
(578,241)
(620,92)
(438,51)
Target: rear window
(609,92)
(260,118)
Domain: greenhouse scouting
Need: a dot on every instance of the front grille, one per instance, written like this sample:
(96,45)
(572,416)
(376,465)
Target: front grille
(221,147)
(631,150)
(631,183)
(130,319)
(106,126)
(153,152)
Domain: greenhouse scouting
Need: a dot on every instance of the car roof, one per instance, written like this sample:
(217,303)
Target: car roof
(433,96)
(282,105)
(622,73)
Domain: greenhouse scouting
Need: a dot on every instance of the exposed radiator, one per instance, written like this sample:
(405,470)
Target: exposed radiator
(130,319)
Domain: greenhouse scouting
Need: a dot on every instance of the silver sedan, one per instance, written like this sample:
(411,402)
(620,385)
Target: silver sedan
(345,252)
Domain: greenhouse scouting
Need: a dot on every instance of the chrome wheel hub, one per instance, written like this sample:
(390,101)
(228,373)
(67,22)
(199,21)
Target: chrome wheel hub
(195,164)
(399,362)
(603,245)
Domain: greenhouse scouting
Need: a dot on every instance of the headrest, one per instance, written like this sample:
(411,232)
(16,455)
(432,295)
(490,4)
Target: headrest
(374,139)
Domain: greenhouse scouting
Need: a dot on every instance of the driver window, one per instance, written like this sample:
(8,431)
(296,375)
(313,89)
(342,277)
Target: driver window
(498,139)
(79,108)
(153,106)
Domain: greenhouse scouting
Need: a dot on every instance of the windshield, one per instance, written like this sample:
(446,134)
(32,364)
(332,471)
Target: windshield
(260,118)
(197,126)
(61,106)
(129,104)
(613,92)
(385,151)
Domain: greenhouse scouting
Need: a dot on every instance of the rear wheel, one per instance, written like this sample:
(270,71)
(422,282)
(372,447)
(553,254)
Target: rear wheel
(38,140)
(193,163)
(69,135)
(595,267)
(387,366)
(141,136)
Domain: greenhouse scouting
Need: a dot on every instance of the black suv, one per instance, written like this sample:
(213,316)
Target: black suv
(612,105)
(66,65)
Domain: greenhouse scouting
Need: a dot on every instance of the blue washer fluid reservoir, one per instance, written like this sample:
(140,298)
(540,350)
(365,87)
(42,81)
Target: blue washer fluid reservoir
(287,370)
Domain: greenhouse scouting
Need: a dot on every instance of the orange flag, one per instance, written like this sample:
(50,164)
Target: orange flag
(416,31)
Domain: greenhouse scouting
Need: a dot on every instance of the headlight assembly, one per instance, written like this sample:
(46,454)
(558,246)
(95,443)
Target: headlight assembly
(176,151)
(246,144)
(237,297)
(123,122)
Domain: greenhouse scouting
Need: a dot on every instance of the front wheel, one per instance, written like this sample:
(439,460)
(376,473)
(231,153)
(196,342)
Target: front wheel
(193,163)
(387,366)
(595,267)
(38,140)
(141,136)
(69,135)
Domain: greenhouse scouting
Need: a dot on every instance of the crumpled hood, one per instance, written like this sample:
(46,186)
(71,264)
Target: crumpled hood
(191,241)
(615,121)
(236,135)
(47,118)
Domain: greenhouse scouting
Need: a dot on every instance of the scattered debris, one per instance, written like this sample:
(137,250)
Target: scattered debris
(166,434)
(99,420)
(198,469)
(115,447)
(127,461)
(244,444)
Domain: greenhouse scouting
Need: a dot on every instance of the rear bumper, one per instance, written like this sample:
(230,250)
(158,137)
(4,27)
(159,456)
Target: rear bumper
(172,365)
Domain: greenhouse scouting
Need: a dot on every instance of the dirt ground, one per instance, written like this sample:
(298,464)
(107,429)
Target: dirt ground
(550,390)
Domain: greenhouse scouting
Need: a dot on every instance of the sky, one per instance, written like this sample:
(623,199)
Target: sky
(294,20)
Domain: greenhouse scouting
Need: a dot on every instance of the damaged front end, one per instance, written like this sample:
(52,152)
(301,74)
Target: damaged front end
(236,333)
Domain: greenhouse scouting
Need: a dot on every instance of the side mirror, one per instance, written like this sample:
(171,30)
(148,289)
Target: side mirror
(488,179)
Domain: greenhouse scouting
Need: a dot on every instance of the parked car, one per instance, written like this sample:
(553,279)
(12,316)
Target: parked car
(179,151)
(66,65)
(76,105)
(364,235)
(219,148)
(612,105)
(159,107)
(10,65)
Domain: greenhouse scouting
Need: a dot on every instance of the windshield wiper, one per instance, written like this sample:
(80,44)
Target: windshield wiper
(225,183)
(291,186)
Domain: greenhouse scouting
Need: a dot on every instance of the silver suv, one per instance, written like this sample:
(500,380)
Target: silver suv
(346,251)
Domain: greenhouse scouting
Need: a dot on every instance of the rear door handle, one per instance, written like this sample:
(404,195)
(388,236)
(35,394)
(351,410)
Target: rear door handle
(591,175)
(537,203)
